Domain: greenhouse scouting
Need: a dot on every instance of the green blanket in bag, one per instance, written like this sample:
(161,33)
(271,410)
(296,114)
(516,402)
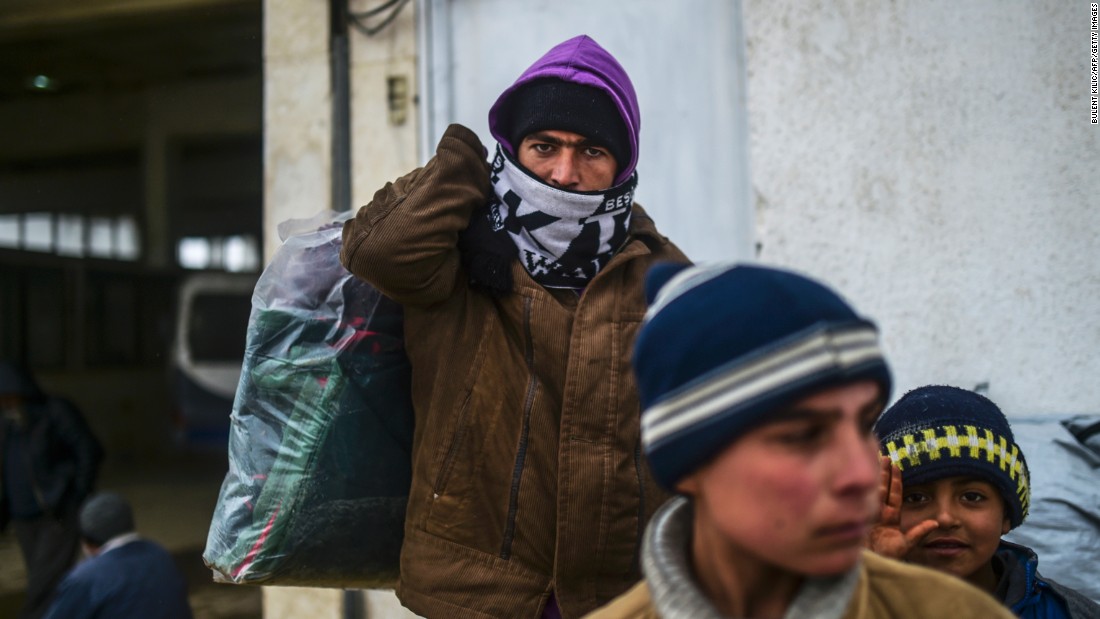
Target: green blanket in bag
(319,443)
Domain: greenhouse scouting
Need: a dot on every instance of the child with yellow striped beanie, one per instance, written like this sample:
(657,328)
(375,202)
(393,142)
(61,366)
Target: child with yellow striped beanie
(955,482)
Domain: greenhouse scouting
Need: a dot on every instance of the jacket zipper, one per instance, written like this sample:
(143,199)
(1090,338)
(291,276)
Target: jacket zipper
(521,452)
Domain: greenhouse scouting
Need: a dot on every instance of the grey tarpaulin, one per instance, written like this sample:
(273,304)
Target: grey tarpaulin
(1063,528)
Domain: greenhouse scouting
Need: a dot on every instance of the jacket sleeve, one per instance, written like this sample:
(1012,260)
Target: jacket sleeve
(73,599)
(85,448)
(405,240)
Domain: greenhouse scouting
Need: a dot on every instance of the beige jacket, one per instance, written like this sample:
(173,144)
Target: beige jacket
(886,589)
(877,588)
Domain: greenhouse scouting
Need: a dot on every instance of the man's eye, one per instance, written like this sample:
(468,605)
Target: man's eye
(802,436)
(594,152)
(542,148)
(868,426)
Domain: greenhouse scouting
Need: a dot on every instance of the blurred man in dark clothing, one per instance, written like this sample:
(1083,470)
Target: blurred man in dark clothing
(49,459)
(126,576)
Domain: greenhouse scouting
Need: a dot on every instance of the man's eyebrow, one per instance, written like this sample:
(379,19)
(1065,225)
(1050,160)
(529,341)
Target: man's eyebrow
(801,414)
(796,413)
(539,136)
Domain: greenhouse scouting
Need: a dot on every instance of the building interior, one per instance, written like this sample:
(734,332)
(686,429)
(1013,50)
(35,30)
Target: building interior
(130,164)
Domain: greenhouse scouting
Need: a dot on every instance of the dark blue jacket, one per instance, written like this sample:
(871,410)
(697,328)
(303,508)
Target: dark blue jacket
(1031,596)
(137,580)
(55,457)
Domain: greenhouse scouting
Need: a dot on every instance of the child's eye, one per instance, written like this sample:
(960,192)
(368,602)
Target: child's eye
(973,496)
(915,498)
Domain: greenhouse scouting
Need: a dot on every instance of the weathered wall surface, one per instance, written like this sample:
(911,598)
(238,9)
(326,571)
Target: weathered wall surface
(935,161)
(297,113)
(298,109)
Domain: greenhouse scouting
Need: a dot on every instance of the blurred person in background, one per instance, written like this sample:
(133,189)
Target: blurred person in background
(125,576)
(49,460)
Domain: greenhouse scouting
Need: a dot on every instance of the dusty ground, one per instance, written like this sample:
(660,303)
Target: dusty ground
(173,501)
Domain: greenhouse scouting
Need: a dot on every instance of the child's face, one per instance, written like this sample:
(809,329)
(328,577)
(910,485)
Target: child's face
(971,517)
(799,492)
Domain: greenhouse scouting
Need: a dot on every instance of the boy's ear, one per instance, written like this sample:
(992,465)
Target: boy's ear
(688,485)
(1006,526)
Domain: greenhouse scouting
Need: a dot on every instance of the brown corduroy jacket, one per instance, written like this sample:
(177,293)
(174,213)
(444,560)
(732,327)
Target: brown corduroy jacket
(528,475)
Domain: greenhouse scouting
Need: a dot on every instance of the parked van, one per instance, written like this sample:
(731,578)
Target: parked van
(211,324)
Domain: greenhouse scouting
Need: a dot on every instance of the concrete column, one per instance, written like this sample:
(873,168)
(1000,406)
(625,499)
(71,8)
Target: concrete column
(297,602)
(297,113)
(297,169)
(383,140)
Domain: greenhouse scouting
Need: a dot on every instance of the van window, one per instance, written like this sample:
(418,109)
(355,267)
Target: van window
(218,326)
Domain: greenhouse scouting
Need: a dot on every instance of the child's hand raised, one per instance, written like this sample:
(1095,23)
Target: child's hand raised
(886,537)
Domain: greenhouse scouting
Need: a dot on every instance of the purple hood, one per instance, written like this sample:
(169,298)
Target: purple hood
(580,60)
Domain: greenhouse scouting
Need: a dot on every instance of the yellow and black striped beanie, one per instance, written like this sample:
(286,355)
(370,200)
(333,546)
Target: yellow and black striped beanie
(939,431)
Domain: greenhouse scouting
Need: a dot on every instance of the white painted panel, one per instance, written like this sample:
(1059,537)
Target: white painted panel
(935,161)
(686,61)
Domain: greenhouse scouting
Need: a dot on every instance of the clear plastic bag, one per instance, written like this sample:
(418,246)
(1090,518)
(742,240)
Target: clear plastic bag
(321,428)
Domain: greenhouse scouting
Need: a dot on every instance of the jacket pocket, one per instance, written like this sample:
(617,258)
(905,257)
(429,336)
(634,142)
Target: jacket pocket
(447,465)
(474,445)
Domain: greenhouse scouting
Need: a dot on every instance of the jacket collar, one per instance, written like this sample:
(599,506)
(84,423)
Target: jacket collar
(676,594)
(1017,569)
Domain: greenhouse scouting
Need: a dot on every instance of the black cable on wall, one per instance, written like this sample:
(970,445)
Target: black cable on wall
(341,105)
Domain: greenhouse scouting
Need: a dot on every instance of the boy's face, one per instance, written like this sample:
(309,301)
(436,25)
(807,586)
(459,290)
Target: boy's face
(971,517)
(12,409)
(799,492)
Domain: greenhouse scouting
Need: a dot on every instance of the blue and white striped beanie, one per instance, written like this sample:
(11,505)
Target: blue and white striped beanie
(723,346)
(939,431)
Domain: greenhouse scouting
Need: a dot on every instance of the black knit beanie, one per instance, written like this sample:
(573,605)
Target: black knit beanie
(552,104)
(104,516)
(938,431)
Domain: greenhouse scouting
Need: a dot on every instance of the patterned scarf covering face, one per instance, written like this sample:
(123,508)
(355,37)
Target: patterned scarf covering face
(564,237)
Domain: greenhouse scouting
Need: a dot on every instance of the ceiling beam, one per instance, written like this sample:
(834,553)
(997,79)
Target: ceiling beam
(34,18)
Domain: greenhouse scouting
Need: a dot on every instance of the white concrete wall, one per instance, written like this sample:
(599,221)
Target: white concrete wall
(381,149)
(934,160)
(685,61)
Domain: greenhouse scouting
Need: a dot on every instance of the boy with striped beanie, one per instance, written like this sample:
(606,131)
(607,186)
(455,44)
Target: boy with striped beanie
(759,388)
(955,482)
